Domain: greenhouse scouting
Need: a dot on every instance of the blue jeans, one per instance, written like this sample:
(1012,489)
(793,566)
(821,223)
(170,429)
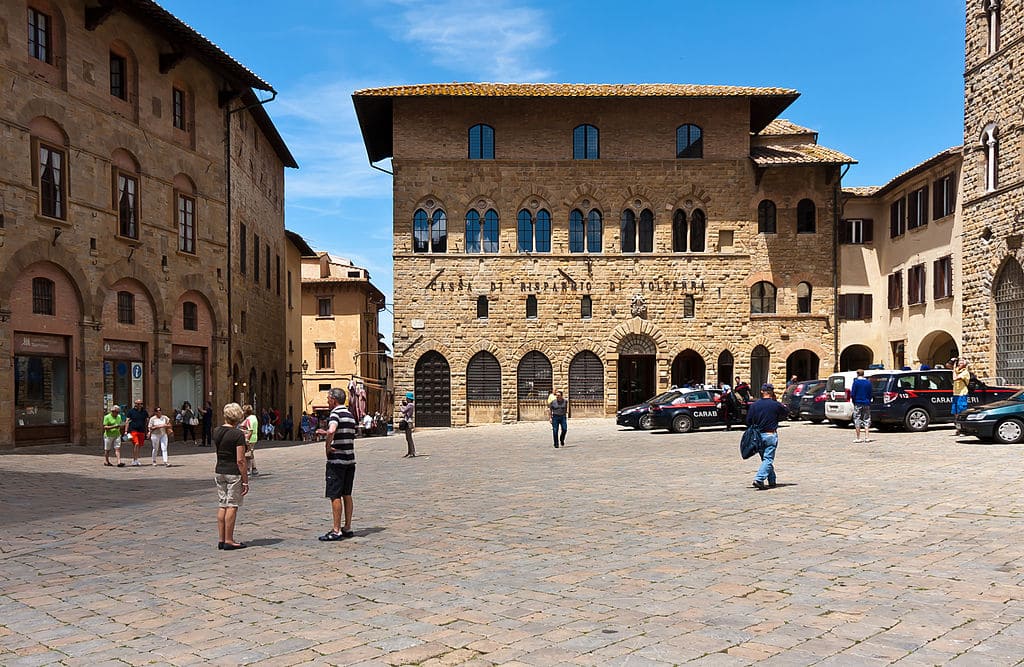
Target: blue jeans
(767,469)
(556,421)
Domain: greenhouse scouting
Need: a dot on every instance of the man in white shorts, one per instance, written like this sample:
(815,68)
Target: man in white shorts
(113,428)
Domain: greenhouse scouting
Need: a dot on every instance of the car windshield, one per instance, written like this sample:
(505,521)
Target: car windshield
(1019,397)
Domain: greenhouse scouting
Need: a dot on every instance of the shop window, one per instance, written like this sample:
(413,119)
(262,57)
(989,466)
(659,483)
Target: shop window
(585,143)
(481,142)
(186,224)
(323,305)
(803,298)
(190,316)
(762,298)
(586,307)
(689,142)
(531,307)
(806,217)
(42,296)
(125,308)
(766,217)
(52,182)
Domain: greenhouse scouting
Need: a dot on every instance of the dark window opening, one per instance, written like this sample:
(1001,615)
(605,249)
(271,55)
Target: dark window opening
(481,142)
(531,307)
(689,142)
(806,217)
(39,36)
(766,217)
(190,316)
(42,296)
(585,143)
(125,308)
(118,76)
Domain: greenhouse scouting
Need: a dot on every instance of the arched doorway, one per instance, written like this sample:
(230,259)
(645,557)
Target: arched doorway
(586,385)
(760,361)
(688,369)
(1009,297)
(937,348)
(483,389)
(855,357)
(637,368)
(533,386)
(725,368)
(432,384)
(803,364)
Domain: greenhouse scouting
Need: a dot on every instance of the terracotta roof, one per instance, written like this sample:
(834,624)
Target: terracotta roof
(375,106)
(895,181)
(569,90)
(769,156)
(783,126)
(862,191)
(300,243)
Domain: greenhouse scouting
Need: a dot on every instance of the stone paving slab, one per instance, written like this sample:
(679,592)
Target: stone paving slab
(624,548)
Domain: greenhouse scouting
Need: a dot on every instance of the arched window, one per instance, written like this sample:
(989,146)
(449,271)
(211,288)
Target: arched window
(762,298)
(420,231)
(680,231)
(481,142)
(531,307)
(524,231)
(50,159)
(439,232)
(472,231)
(594,231)
(576,231)
(542,231)
(126,194)
(42,297)
(185,205)
(698,230)
(585,143)
(189,316)
(992,14)
(125,308)
(803,298)
(725,366)
(766,217)
(689,142)
(482,307)
(646,231)
(806,217)
(491,230)
(760,360)
(689,308)
(990,145)
(627,232)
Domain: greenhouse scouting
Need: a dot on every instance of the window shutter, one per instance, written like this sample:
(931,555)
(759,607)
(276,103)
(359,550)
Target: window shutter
(844,232)
(869,233)
(937,199)
(865,309)
(841,306)
(924,205)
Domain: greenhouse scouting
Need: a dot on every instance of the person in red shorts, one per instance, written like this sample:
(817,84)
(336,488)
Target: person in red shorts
(137,422)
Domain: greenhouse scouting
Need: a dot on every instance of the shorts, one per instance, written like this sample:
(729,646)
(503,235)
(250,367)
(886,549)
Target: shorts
(250,447)
(959,404)
(862,416)
(339,480)
(138,437)
(111,442)
(229,490)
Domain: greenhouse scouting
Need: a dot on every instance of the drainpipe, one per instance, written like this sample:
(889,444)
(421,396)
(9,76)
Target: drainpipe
(837,192)
(228,111)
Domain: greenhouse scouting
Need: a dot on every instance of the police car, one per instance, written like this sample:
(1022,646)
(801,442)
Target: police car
(917,399)
(695,409)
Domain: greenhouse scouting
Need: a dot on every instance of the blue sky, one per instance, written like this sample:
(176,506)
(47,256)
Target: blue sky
(880,80)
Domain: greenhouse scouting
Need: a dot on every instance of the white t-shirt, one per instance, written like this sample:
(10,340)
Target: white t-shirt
(158,425)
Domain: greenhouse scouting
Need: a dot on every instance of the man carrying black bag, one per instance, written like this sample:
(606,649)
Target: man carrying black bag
(765,415)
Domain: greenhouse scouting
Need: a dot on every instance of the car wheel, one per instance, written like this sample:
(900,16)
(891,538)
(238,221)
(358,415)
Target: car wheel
(917,420)
(816,420)
(646,422)
(1009,432)
(682,424)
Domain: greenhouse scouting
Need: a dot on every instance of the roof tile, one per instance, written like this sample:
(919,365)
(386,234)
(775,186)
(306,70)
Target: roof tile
(768,156)
(568,90)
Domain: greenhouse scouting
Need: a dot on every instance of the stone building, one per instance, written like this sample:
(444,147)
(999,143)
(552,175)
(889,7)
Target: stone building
(900,268)
(340,337)
(993,191)
(120,279)
(612,240)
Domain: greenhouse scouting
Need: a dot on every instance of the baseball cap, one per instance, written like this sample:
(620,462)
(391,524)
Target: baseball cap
(767,387)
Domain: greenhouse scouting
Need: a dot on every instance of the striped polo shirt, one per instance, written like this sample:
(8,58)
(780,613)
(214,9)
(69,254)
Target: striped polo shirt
(344,437)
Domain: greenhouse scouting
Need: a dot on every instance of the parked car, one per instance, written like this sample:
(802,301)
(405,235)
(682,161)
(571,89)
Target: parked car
(812,402)
(838,405)
(916,399)
(792,395)
(1002,421)
(639,416)
(696,408)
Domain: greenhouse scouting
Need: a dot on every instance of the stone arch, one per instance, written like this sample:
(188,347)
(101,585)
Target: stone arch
(582,345)
(763,276)
(533,346)
(183,183)
(41,108)
(637,198)
(936,348)
(806,344)
(635,325)
(47,129)
(200,282)
(479,202)
(482,345)
(586,191)
(710,359)
(44,251)
(856,356)
(535,199)
(109,305)
(429,203)
(689,201)
(126,160)
(137,272)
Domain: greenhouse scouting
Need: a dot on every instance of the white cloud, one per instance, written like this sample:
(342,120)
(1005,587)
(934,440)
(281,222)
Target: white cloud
(496,41)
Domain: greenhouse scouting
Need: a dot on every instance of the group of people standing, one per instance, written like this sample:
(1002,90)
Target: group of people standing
(137,425)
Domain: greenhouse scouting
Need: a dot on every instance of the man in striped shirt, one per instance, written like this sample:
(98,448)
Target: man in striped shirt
(341,464)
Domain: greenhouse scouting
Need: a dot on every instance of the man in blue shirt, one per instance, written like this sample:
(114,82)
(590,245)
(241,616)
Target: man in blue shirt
(860,394)
(765,414)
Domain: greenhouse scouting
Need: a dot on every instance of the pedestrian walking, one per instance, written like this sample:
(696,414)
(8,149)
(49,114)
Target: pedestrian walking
(138,427)
(189,421)
(231,475)
(113,427)
(207,425)
(306,426)
(339,445)
(860,394)
(557,414)
(765,414)
(250,427)
(407,422)
(160,430)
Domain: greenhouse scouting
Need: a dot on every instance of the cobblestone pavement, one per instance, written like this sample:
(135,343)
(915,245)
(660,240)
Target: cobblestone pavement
(625,548)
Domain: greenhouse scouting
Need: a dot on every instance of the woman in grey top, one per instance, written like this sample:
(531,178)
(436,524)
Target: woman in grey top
(408,411)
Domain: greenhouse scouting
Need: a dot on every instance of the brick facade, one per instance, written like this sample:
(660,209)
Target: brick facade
(64,99)
(436,294)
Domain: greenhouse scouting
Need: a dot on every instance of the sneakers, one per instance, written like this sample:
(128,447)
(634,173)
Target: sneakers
(857,440)
(330,536)
(760,485)
(136,462)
